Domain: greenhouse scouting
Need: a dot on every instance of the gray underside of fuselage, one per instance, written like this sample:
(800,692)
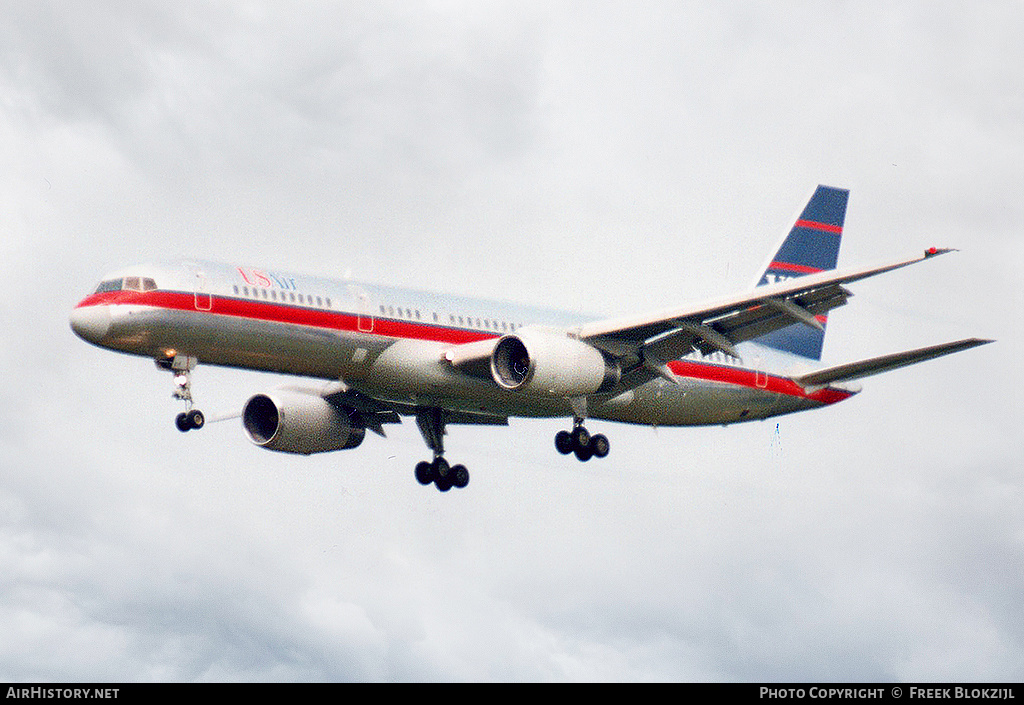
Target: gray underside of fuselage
(414,373)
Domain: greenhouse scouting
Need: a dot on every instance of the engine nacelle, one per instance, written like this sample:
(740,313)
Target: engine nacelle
(551,363)
(300,422)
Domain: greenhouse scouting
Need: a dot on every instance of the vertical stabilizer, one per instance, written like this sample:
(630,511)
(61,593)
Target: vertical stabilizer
(811,246)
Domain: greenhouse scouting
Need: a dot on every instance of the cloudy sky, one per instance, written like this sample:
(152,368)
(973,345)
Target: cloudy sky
(605,157)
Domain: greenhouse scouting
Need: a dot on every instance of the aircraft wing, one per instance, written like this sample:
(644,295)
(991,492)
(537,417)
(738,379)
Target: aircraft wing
(720,324)
(644,344)
(375,413)
(876,365)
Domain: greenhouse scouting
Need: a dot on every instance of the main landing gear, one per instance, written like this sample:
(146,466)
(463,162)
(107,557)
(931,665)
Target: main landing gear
(442,475)
(181,366)
(580,442)
(439,473)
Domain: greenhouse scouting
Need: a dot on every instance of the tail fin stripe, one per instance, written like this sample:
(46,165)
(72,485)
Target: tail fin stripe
(790,267)
(814,225)
(806,248)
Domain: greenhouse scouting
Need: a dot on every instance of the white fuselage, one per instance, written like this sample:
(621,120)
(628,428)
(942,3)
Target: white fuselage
(390,344)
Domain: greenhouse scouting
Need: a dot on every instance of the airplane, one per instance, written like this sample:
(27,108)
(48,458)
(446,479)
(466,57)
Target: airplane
(388,352)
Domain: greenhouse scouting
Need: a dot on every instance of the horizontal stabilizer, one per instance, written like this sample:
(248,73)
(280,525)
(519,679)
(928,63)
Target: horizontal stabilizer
(876,365)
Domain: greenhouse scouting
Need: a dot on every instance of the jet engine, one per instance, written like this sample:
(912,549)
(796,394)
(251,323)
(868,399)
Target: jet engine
(303,422)
(549,362)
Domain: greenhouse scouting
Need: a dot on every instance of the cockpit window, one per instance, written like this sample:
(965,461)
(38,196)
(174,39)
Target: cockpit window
(127,284)
(109,285)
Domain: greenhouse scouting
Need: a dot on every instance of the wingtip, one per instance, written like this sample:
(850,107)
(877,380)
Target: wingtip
(969,343)
(936,251)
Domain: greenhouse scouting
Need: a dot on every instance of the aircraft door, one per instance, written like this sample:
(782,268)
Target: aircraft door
(201,288)
(364,310)
(760,374)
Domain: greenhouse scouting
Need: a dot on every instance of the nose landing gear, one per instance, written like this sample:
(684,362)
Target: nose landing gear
(191,419)
(182,366)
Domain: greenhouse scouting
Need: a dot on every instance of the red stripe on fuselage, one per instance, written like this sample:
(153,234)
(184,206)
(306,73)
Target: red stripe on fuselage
(824,227)
(743,377)
(284,313)
(390,328)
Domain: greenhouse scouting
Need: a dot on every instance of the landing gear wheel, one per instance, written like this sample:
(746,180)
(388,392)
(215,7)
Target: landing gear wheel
(196,419)
(424,473)
(442,474)
(580,438)
(581,443)
(181,421)
(563,442)
(459,476)
(190,420)
(584,454)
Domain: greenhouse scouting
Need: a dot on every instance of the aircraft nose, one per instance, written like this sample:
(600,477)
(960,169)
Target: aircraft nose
(91,323)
